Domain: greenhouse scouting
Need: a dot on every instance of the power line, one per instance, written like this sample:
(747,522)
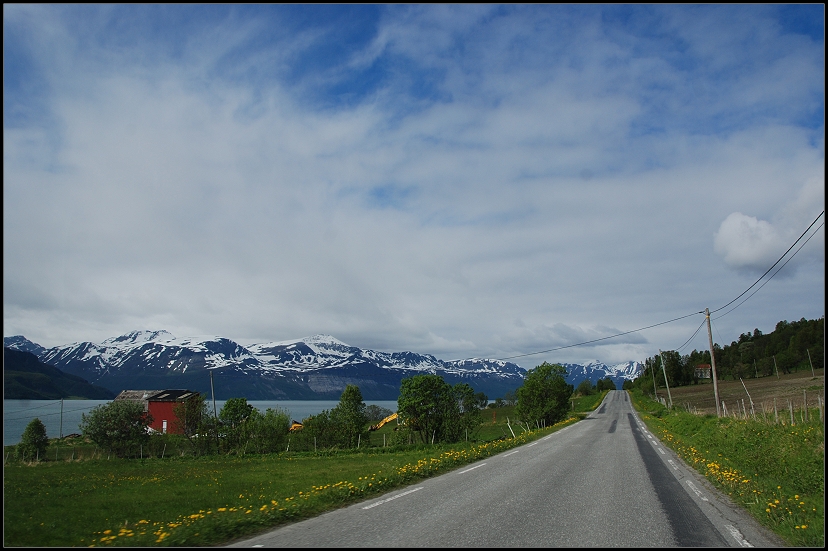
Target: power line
(598,340)
(47,414)
(692,337)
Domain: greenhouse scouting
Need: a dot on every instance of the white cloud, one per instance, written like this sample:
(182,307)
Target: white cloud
(746,242)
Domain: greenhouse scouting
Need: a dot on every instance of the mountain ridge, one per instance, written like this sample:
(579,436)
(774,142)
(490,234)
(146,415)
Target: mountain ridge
(314,367)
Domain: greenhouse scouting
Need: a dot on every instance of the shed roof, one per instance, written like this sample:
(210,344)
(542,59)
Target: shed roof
(168,395)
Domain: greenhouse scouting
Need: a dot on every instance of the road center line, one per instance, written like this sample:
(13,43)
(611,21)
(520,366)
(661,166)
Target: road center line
(380,502)
(472,468)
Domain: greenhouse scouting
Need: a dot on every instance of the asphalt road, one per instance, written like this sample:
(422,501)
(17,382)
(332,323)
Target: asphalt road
(602,482)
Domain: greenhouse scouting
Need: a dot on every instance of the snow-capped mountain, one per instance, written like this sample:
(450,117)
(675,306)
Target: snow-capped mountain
(594,371)
(316,367)
(23,344)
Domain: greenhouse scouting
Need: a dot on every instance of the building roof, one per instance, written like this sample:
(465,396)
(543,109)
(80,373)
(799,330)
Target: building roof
(168,395)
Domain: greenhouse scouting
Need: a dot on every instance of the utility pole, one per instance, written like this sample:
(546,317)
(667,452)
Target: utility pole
(61,415)
(713,363)
(215,415)
(664,370)
(776,367)
(213,391)
(810,362)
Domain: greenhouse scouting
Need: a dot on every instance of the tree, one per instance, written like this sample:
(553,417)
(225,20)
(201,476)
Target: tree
(34,441)
(544,395)
(375,413)
(350,418)
(317,430)
(233,416)
(120,426)
(235,411)
(195,423)
(436,411)
(605,384)
(466,416)
(585,388)
(421,404)
(266,432)
(510,398)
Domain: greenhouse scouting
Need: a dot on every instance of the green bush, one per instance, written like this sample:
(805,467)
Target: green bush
(121,426)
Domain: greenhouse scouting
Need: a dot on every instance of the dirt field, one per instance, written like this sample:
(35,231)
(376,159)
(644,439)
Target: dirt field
(794,387)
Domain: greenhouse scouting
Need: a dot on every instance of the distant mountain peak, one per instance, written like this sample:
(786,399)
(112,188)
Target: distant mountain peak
(19,342)
(323,340)
(140,337)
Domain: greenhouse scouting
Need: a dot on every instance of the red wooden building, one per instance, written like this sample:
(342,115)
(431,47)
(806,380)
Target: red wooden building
(159,404)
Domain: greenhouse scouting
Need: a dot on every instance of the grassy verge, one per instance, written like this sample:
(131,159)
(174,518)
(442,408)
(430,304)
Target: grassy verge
(775,471)
(196,501)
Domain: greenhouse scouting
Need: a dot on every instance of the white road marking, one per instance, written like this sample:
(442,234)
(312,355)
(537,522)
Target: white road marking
(380,502)
(511,453)
(530,445)
(661,451)
(673,464)
(472,468)
(696,490)
(737,536)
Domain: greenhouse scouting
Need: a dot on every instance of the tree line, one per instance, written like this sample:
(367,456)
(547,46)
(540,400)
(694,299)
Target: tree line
(792,346)
(430,411)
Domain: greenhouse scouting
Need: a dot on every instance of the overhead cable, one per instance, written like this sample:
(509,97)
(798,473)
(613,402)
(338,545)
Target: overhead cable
(601,339)
(693,336)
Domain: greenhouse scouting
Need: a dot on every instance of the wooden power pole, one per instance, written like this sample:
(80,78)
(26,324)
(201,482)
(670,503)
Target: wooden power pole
(713,364)
(664,370)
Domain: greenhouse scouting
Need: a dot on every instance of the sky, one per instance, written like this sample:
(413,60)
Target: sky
(467,181)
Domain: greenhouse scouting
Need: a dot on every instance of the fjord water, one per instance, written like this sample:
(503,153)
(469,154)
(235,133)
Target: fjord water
(19,413)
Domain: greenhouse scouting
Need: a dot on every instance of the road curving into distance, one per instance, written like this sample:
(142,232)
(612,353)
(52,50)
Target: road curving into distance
(605,481)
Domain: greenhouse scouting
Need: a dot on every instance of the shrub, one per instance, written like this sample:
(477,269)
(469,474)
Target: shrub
(120,426)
